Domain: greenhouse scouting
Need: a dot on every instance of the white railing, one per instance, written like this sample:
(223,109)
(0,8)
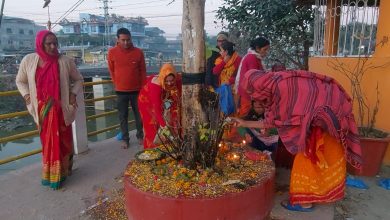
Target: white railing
(346,28)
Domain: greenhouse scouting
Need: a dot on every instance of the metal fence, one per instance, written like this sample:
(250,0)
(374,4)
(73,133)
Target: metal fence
(350,26)
(35,132)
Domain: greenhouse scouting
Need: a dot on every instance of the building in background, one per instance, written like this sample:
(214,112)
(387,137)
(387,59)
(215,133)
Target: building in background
(94,26)
(174,48)
(17,38)
(18,34)
(155,39)
(85,39)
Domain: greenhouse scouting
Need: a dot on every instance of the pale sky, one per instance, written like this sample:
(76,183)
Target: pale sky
(157,12)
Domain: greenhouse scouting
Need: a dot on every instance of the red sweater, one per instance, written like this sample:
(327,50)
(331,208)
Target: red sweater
(250,61)
(127,68)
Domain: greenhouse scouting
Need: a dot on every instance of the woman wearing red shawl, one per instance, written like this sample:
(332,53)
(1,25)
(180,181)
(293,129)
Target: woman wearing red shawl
(314,119)
(258,50)
(159,103)
(49,83)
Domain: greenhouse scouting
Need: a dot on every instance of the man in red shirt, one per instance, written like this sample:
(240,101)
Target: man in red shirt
(127,68)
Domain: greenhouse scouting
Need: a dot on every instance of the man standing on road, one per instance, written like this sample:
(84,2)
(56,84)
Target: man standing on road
(127,68)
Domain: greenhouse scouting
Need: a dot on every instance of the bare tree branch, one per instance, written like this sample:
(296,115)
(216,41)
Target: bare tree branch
(355,75)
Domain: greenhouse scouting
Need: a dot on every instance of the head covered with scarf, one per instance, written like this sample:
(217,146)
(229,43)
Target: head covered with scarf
(296,101)
(166,70)
(40,48)
(48,82)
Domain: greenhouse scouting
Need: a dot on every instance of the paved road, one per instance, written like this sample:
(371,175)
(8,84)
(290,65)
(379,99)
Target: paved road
(96,172)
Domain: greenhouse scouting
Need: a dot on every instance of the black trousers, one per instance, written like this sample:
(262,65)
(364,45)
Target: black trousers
(124,98)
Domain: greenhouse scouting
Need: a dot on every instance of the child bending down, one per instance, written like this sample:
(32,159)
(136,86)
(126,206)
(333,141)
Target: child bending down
(260,139)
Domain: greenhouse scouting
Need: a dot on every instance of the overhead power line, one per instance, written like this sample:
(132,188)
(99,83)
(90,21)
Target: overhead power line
(151,16)
(70,10)
(140,3)
(172,15)
(96,8)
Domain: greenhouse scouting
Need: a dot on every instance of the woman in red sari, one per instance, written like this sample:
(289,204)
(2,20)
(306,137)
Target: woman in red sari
(159,103)
(314,119)
(49,83)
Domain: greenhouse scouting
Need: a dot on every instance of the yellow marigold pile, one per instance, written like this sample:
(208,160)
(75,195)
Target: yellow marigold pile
(167,177)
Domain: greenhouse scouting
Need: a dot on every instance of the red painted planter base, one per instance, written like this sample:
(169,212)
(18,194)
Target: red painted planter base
(373,151)
(254,203)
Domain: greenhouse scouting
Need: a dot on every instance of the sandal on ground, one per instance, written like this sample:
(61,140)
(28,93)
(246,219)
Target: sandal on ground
(297,208)
(140,141)
(125,145)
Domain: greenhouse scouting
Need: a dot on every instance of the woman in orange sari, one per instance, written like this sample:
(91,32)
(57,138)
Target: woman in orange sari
(314,119)
(49,83)
(159,103)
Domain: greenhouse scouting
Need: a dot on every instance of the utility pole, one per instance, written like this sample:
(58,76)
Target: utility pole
(84,25)
(1,12)
(48,15)
(47,2)
(106,27)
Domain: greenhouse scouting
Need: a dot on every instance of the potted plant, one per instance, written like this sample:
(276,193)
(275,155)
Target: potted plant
(373,141)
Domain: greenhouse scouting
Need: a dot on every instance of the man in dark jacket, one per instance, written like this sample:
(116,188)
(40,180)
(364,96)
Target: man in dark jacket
(211,79)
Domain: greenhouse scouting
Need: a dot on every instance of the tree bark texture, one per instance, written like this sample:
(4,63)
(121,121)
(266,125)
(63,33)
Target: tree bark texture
(193,63)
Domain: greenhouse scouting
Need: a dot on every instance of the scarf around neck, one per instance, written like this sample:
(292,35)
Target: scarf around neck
(250,51)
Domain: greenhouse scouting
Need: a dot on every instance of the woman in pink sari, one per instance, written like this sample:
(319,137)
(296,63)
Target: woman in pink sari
(49,83)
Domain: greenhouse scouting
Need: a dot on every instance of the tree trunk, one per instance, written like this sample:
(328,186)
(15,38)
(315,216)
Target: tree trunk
(306,54)
(193,70)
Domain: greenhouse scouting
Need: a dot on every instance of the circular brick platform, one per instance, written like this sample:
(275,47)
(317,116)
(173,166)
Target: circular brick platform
(254,203)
